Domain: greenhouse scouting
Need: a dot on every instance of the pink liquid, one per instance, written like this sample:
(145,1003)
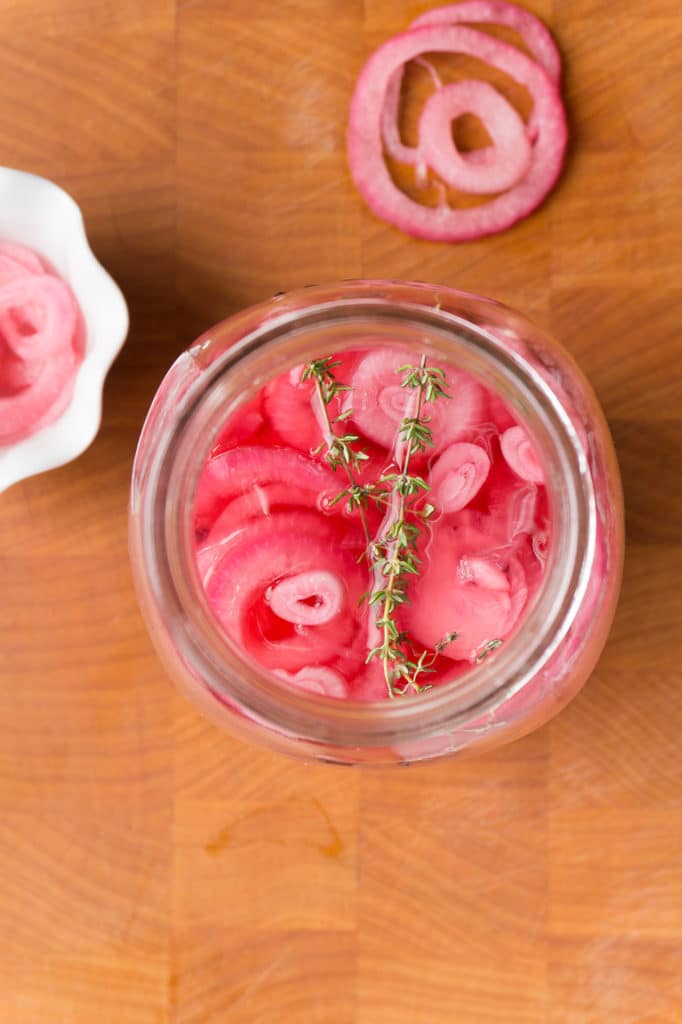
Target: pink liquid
(42,341)
(286,570)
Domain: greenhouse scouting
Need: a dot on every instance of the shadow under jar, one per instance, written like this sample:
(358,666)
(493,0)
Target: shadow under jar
(476,700)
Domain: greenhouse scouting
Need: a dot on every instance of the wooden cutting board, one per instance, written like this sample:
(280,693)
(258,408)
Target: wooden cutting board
(153,870)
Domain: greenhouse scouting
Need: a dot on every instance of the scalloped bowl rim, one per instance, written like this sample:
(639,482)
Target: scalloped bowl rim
(36,212)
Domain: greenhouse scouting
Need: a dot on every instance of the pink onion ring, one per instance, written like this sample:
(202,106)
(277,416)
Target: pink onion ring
(546,130)
(309,598)
(380,403)
(458,475)
(520,455)
(265,575)
(534,33)
(493,169)
(17,261)
(37,315)
(230,474)
(317,679)
(390,133)
(496,12)
(25,410)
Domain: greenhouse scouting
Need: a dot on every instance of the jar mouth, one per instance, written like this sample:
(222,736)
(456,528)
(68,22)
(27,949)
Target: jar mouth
(236,359)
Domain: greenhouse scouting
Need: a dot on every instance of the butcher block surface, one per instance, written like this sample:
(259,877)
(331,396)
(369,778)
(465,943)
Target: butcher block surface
(156,871)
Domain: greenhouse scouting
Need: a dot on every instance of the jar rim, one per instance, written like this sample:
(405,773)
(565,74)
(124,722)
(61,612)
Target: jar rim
(164,543)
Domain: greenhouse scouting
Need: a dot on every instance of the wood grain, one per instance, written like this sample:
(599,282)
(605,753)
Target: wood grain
(155,871)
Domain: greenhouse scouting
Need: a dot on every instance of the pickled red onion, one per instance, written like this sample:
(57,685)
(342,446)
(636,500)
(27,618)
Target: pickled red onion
(288,406)
(17,261)
(308,598)
(458,475)
(317,679)
(228,475)
(263,557)
(376,87)
(534,33)
(38,344)
(262,501)
(379,402)
(467,588)
(520,455)
(32,406)
(37,315)
(492,169)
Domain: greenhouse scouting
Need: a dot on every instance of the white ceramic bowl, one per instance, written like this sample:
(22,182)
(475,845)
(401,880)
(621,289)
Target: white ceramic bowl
(39,214)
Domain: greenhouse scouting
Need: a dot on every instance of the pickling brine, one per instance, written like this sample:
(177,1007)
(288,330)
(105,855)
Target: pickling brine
(371,524)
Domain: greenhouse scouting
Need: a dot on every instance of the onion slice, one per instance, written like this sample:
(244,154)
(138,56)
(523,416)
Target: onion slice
(37,316)
(269,570)
(534,33)
(458,475)
(317,679)
(492,169)
(546,132)
(520,455)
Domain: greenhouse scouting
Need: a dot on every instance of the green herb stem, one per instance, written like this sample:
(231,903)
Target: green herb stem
(340,451)
(395,553)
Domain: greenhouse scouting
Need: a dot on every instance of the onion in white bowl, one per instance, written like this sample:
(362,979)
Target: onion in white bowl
(36,213)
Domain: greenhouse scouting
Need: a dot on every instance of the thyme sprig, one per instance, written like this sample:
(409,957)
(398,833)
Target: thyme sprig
(492,645)
(340,450)
(394,553)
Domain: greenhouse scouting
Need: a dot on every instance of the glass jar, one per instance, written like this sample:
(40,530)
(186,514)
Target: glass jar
(554,649)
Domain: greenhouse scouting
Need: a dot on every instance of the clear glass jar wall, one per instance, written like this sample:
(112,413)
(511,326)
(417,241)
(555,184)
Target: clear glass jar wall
(549,657)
